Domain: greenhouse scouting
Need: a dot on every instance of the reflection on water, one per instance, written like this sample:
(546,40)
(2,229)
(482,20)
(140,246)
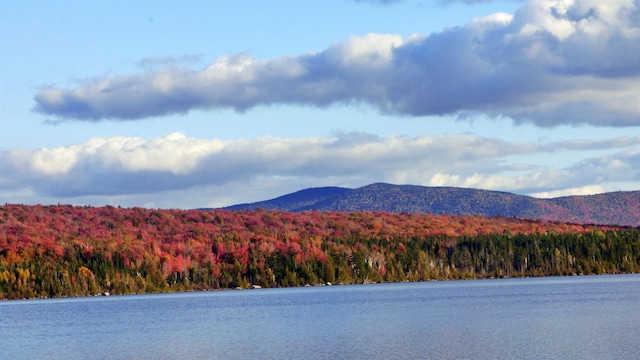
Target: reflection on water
(544,318)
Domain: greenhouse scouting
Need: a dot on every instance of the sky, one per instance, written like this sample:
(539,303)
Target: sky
(200,104)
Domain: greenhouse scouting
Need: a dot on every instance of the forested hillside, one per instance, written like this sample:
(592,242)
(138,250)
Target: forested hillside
(53,251)
(619,208)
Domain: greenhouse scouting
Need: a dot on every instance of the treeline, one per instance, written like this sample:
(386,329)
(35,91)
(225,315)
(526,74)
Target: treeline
(56,251)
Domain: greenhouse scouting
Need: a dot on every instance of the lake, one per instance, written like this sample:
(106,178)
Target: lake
(583,317)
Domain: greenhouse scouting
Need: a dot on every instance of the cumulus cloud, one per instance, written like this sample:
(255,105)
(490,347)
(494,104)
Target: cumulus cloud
(120,167)
(552,62)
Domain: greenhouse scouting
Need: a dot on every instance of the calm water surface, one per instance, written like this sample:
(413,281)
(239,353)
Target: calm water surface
(595,317)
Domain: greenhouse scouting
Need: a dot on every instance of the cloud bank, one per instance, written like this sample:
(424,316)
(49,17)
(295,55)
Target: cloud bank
(131,166)
(552,62)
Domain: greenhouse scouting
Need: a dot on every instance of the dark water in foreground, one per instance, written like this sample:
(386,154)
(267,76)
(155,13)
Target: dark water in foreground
(595,317)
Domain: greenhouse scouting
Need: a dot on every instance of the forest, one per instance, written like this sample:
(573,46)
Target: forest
(64,251)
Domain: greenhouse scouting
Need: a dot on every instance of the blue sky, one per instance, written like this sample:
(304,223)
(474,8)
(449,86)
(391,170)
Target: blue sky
(207,104)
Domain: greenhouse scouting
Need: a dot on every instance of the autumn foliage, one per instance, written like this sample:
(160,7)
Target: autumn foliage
(53,251)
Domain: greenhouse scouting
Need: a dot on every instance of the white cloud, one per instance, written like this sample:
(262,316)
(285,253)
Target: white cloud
(364,52)
(583,190)
(174,169)
(552,62)
(547,16)
(495,20)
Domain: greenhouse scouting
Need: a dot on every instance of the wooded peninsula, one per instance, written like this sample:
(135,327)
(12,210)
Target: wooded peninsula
(62,251)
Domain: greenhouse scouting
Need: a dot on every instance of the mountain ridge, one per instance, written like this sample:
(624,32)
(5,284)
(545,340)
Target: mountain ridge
(613,208)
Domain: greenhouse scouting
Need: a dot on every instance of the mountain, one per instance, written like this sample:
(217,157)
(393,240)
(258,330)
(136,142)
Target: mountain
(619,208)
(297,201)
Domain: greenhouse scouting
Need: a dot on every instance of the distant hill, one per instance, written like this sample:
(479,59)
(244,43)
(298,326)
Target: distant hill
(619,208)
(297,201)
